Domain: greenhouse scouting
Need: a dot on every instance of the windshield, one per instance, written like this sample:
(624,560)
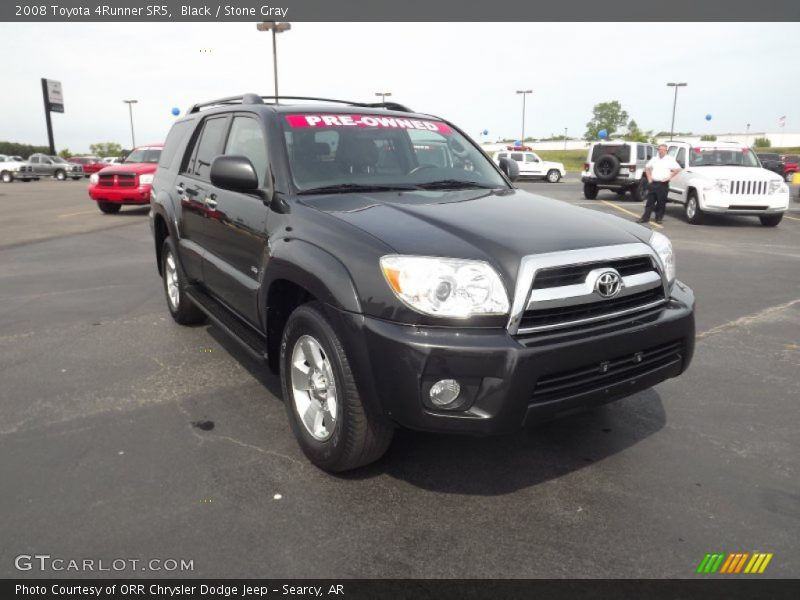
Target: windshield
(347,152)
(143,155)
(721,157)
(57,159)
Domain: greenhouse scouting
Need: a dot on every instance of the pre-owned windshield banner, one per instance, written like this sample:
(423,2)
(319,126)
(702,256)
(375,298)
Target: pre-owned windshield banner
(365,122)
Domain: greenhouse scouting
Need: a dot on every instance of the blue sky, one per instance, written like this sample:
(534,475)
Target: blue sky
(738,72)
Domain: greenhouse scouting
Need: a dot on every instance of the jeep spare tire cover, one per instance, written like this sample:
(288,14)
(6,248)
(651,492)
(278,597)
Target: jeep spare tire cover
(606,167)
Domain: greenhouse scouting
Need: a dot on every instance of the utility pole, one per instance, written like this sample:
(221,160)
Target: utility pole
(524,93)
(275,28)
(674,103)
(130,104)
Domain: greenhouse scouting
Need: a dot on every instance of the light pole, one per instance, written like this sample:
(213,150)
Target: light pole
(130,104)
(747,136)
(524,93)
(275,28)
(674,103)
(565,139)
(383,96)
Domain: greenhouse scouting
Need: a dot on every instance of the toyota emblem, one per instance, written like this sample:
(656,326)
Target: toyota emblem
(608,284)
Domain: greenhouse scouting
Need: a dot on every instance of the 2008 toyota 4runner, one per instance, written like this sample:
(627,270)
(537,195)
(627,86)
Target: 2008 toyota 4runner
(389,289)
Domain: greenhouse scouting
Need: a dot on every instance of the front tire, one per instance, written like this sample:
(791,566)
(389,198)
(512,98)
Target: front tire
(60,175)
(771,220)
(109,208)
(553,176)
(590,191)
(178,303)
(323,404)
(7,177)
(692,210)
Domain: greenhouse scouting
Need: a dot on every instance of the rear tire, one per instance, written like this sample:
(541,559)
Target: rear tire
(694,215)
(180,307)
(639,192)
(335,431)
(788,177)
(109,208)
(589,191)
(553,176)
(771,220)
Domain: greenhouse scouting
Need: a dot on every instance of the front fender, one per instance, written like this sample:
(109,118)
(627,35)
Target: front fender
(314,269)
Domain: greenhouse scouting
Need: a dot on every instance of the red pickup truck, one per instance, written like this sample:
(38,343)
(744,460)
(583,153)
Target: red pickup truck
(128,182)
(790,165)
(90,164)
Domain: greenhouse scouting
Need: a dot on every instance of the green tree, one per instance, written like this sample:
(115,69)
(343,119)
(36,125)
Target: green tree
(23,150)
(762,142)
(608,116)
(65,153)
(637,135)
(708,138)
(106,149)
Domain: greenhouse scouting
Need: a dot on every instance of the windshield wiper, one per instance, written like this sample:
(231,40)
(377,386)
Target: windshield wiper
(453,184)
(343,188)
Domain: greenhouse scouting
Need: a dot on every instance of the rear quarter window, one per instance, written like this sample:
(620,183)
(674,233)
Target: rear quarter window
(622,152)
(174,139)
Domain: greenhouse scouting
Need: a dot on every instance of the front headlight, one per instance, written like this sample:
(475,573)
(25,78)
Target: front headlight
(724,185)
(663,248)
(776,185)
(94,178)
(146,179)
(446,287)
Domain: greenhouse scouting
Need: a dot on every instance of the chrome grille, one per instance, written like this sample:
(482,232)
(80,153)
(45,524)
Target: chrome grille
(749,188)
(556,291)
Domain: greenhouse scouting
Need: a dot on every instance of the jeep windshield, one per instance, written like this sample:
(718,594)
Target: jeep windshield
(143,155)
(341,153)
(723,157)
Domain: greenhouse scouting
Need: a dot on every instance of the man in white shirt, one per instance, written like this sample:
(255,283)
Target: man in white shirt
(660,170)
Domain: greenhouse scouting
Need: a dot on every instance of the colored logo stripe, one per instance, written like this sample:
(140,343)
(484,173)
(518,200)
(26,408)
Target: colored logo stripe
(734,562)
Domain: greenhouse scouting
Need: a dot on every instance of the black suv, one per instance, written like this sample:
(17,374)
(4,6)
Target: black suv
(390,289)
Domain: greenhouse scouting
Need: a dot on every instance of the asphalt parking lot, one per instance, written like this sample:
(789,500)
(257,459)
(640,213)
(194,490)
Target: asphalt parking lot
(124,435)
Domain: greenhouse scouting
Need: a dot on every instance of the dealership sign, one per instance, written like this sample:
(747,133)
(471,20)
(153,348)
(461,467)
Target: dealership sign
(55,97)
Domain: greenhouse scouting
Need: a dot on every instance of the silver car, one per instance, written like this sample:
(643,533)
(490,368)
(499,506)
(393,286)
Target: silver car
(55,166)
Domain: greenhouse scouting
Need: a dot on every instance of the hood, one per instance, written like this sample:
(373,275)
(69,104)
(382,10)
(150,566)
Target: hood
(735,173)
(139,168)
(478,224)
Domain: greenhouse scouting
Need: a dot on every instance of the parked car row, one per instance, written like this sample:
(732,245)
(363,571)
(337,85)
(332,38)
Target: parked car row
(13,168)
(785,165)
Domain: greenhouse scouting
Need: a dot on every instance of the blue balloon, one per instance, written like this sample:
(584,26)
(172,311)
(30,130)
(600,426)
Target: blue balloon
(602,134)
(517,143)
(176,111)
(708,117)
(485,132)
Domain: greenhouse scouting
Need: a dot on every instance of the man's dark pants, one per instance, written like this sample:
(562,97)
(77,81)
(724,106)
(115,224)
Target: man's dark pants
(656,199)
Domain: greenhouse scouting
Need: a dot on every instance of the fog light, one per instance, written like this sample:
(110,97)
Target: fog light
(445,392)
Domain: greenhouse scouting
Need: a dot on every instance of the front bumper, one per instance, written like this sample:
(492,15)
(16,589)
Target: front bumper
(618,182)
(120,195)
(719,203)
(396,365)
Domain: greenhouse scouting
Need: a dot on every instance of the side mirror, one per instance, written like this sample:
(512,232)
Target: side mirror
(510,168)
(235,173)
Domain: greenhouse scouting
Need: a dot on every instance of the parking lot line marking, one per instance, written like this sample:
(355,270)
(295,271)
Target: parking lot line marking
(75,214)
(626,211)
(792,218)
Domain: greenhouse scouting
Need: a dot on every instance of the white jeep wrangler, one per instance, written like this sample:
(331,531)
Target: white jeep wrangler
(617,165)
(725,177)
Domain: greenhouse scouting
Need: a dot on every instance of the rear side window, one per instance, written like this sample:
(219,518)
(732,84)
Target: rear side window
(516,156)
(207,147)
(247,139)
(640,153)
(681,158)
(174,139)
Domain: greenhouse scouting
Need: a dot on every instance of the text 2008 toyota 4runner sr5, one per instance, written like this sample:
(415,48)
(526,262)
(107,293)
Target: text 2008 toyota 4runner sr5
(391,291)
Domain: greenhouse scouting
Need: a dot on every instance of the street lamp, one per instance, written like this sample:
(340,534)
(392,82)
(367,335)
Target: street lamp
(383,96)
(747,136)
(565,139)
(524,93)
(674,103)
(275,28)
(130,104)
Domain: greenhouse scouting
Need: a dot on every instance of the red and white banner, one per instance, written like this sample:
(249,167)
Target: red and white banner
(366,122)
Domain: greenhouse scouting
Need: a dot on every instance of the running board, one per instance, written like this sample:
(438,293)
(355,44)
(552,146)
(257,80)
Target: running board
(249,338)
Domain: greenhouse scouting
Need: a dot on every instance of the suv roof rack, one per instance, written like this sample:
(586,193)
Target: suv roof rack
(256,99)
